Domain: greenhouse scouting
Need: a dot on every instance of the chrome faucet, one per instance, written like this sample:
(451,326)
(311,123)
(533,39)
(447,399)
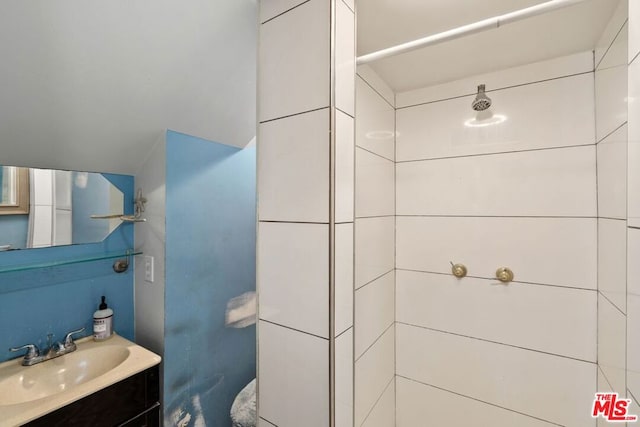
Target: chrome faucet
(56,349)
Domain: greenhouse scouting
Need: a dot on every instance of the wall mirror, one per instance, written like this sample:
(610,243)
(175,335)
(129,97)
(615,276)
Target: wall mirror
(45,207)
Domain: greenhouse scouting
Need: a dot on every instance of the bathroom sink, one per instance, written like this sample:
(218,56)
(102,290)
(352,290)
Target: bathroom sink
(28,392)
(56,375)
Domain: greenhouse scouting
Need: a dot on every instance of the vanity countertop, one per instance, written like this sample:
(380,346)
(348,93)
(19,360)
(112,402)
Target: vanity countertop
(58,382)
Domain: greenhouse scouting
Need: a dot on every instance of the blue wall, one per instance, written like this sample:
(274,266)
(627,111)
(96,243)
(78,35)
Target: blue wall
(210,259)
(13,230)
(56,300)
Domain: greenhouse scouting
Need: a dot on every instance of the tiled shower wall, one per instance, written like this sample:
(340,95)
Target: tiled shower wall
(633,230)
(522,195)
(306,213)
(374,353)
(611,137)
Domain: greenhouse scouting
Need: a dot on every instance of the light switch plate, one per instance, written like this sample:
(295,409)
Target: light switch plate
(148,269)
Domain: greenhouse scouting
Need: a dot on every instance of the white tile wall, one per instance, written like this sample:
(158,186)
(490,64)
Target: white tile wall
(344,379)
(634,29)
(380,86)
(612,175)
(375,248)
(294,378)
(423,405)
(293,168)
(552,388)
(611,343)
(344,168)
(373,372)
(633,312)
(612,261)
(384,413)
(633,179)
(568,120)
(565,248)
(294,71)
(559,182)
(293,275)
(538,71)
(516,314)
(374,311)
(343,277)
(611,31)
(603,386)
(264,423)
(375,126)
(375,183)
(345,58)
(272,8)
(611,100)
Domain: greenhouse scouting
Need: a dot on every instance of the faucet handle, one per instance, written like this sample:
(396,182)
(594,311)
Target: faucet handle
(32,353)
(68,340)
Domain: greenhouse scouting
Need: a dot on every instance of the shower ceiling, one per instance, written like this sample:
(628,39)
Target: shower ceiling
(384,23)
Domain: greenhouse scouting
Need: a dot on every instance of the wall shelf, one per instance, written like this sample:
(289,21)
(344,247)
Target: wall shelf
(71,261)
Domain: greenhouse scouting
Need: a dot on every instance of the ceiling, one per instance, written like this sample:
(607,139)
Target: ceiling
(385,23)
(92,84)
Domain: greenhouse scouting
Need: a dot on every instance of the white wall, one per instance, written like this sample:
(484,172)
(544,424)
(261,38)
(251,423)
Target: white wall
(150,238)
(520,194)
(91,84)
(633,232)
(611,136)
(306,213)
(374,353)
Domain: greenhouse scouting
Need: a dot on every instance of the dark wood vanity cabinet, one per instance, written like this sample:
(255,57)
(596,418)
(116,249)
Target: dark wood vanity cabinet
(133,402)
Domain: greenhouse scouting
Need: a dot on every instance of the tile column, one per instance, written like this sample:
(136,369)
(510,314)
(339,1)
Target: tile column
(305,211)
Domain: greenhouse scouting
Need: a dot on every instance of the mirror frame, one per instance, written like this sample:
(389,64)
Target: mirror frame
(22,190)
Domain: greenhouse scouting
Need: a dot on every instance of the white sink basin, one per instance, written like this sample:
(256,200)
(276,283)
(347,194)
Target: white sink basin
(28,392)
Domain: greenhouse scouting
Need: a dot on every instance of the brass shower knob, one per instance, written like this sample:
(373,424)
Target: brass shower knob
(458,270)
(504,274)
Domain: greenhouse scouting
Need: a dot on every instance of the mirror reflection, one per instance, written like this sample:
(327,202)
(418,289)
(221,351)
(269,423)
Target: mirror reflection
(45,207)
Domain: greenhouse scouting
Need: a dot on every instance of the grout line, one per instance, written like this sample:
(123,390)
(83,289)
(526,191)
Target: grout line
(478,400)
(497,342)
(366,350)
(377,400)
(494,279)
(598,142)
(375,216)
(529,150)
(270,221)
(612,219)
(497,89)
(604,55)
(371,281)
(344,332)
(612,303)
(293,329)
(632,396)
(374,153)
(345,113)
(294,114)
(493,216)
(605,378)
(269,422)
(634,58)
(375,90)
(282,13)
(348,7)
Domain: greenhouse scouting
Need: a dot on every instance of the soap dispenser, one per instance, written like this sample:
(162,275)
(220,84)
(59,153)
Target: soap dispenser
(102,322)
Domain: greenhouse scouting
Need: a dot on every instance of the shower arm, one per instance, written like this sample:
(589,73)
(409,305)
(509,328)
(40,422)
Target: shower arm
(465,30)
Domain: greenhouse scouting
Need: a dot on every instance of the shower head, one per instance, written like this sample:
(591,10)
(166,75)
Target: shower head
(482,101)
